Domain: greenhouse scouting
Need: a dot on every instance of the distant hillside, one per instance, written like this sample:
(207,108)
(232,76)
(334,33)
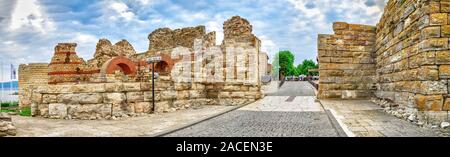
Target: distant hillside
(7,85)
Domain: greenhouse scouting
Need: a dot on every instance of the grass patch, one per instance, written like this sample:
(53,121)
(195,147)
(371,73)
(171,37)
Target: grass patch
(4,110)
(26,111)
(10,104)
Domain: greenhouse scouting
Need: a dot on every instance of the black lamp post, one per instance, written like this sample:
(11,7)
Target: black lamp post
(153,60)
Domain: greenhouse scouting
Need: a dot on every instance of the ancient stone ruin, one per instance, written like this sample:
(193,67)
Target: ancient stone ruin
(7,128)
(405,59)
(194,71)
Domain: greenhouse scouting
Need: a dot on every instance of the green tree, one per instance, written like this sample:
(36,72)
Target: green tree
(306,65)
(284,63)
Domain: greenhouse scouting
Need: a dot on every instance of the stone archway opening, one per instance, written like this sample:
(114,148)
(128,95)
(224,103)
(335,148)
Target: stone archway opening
(125,65)
(162,67)
(124,68)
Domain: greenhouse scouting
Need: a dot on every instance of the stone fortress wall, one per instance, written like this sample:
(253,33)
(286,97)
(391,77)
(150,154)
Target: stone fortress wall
(34,74)
(116,82)
(346,59)
(412,59)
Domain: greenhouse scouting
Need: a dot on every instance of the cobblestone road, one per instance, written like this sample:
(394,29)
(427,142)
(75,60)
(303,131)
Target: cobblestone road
(290,112)
(292,88)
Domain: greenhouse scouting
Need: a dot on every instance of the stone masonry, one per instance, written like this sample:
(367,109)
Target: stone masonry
(194,71)
(347,68)
(6,126)
(410,53)
(35,74)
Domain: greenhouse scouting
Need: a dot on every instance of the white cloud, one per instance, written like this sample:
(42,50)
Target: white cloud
(145,2)
(29,14)
(121,10)
(217,27)
(84,38)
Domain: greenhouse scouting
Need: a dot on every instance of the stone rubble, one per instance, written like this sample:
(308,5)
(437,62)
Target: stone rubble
(7,128)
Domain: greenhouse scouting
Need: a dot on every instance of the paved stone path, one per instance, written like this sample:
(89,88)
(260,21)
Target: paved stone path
(362,118)
(290,112)
(130,127)
(294,88)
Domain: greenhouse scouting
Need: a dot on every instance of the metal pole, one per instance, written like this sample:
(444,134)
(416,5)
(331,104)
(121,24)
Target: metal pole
(153,86)
(1,69)
(10,83)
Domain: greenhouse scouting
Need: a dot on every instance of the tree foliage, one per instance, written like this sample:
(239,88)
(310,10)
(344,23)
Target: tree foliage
(284,63)
(305,66)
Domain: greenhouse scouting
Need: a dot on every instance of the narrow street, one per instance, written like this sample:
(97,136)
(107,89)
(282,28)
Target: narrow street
(291,111)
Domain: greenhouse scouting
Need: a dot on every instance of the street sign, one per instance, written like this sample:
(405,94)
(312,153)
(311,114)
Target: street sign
(154,59)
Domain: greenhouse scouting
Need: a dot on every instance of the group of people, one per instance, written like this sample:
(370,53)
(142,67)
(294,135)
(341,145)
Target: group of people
(301,78)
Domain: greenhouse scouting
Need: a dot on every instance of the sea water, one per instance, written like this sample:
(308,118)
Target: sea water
(8,95)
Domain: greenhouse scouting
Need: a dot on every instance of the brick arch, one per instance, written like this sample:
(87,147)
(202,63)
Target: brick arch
(127,66)
(166,64)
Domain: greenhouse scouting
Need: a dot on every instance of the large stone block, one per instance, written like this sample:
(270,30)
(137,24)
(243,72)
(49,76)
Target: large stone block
(337,26)
(445,7)
(89,111)
(182,94)
(330,94)
(42,110)
(444,71)
(148,96)
(135,96)
(445,31)
(446,104)
(237,94)
(146,86)
(443,57)
(422,59)
(143,107)
(162,106)
(231,88)
(36,98)
(434,44)
(87,88)
(120,109)
(194,94)
(166,95)
(114,87)
(438,19)
(182,86)
(114,98)
(433,87)
(432,32)
(426,73)
(82,98)
(57,111)
(49,98)
(132,87)
(429,103)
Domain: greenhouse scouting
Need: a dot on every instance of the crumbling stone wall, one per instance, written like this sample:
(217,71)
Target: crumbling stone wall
(116,82)
(7,127)
(105,50)
(34,74)
(413,56)
(346,62)
(67,67)
(165,38)
(263,62)
(113,100)
(412,59)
